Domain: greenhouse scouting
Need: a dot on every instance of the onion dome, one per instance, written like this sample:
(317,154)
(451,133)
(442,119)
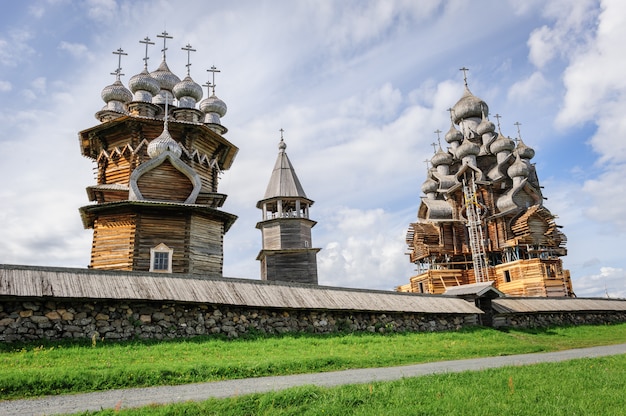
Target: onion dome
(116,95)
(143,86)
(441,158)
(467,148)
(164,143)
(469,106)
(502,144)
(214,109)
(519,168)
(485,126)
(453,135)
(429,186)
(187,92)
(166,79)
(524,151)
(282,145)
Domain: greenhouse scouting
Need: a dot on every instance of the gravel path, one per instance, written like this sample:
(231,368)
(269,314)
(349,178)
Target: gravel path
(170,394)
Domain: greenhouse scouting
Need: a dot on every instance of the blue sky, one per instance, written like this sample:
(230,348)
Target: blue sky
(359,88)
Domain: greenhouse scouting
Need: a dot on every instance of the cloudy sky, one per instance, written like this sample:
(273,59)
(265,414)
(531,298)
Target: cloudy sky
(359,88)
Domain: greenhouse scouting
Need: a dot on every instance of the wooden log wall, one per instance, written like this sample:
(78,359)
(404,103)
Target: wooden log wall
(154,228)
(165,183)
(206,246)
(113,241)
(300,266)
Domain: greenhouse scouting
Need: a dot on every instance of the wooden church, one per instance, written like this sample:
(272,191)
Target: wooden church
(287,253)
(482,218)
(159,150)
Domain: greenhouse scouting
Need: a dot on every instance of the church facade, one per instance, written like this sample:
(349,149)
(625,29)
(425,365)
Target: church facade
(482,218)
(159,150)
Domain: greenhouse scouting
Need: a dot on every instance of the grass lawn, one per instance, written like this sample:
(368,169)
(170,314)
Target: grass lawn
(58,368)
(578,387)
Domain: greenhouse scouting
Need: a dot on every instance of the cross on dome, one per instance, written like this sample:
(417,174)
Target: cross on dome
(464,75)
(118,71)
(147,42)
(519,133)
(438,132)
(497,116)
(165,37)
(213,70)
(189,49)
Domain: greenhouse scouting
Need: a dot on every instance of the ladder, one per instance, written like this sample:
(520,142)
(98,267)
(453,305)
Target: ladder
(475,230)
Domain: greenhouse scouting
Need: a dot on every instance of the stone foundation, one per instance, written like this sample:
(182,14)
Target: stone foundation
(33,320)
(544,320)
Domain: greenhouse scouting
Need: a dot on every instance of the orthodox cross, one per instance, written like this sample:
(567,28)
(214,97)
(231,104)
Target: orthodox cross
(464,74)
(118,71)
(434,145)
(147,42)
(208,85)
(281,133)
(189,50)
(427,161)
(213,70)
(497,116)
(519,133)
(165,37)
(450,110)
(437,132)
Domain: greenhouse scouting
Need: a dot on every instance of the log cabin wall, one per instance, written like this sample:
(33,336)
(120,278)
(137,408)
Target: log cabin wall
(206,242)
(299,266)
(114,238)
(165,183)
(154,228)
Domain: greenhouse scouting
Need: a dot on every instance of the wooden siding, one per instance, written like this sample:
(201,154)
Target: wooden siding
(286,233)
(26,281)
(154,228)
(206,242)
(117,171)
(291,266)
(113,241)
(165,183)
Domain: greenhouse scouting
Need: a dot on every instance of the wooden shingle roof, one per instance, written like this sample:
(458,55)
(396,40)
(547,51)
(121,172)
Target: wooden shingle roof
(530,305)
(36,282)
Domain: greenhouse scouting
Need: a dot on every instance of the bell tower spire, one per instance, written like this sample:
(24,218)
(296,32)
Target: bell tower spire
(287,253)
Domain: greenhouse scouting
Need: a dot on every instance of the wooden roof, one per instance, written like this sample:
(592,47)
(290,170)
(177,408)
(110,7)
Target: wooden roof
(284,182)
(33,281)
(530,305)
(478,289)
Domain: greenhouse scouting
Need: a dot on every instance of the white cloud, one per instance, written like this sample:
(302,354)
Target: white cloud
(609,282)
(530,89)
(77,50)
(5,86)
(101,9)
(573,22)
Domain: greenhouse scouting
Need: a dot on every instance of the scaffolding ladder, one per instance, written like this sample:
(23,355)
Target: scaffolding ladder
(475,230)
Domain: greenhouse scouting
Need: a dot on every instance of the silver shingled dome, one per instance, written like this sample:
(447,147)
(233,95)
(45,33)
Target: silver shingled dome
(213,105)
(116,92)
(163,143)
(187,92)
(143,86)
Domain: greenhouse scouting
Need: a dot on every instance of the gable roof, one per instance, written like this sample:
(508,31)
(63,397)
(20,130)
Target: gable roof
(37,282)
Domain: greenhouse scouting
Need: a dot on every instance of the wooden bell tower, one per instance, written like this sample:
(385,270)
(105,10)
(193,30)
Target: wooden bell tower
(155,205)
(287,254)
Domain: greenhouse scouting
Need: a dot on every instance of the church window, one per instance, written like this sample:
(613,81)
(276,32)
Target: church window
(161,259)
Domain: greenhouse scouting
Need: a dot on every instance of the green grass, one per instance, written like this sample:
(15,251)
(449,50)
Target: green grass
(58,368)
(578,387)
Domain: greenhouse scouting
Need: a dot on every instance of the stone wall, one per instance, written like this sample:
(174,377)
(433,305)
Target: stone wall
(544,320)
(30,320)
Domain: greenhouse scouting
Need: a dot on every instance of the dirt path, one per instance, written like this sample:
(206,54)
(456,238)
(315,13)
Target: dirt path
(170,394)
